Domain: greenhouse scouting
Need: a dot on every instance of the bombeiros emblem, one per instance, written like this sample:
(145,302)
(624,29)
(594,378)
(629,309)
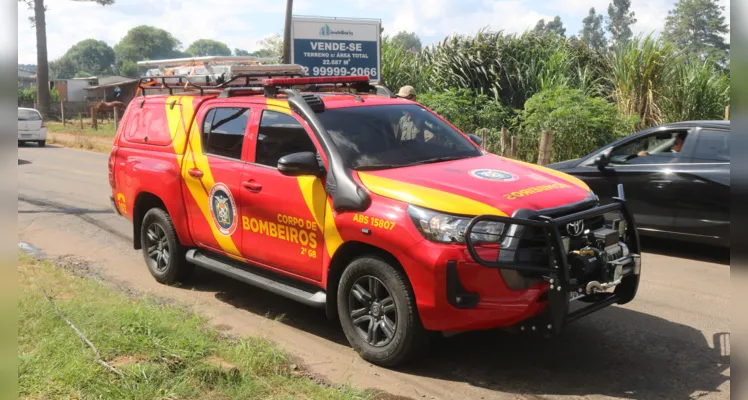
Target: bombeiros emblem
(223,209)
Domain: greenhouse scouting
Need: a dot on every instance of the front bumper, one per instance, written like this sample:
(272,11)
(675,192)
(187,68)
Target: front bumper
(562,287)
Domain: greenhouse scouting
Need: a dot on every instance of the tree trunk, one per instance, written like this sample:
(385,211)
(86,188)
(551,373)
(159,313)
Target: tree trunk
(42,66)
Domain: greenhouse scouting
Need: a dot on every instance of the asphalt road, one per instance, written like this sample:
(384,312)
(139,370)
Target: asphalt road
(671,342)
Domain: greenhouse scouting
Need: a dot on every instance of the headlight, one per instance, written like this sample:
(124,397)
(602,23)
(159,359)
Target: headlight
(447,228)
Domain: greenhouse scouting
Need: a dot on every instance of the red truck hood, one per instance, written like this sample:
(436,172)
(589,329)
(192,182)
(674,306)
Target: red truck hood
(488,184)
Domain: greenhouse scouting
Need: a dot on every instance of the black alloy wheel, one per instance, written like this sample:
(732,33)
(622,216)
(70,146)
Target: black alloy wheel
(157,247)
(373,311)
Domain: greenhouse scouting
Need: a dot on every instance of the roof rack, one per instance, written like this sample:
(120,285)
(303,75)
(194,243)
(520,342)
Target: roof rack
(269,81)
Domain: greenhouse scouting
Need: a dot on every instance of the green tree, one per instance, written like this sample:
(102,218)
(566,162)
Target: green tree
(408,40)
(698,28)
(620,19)
(92,56)
(554,27)
(83,74)
(241,52)
(130,69)
(592,32)
(208,47)
(580,123)
(62,68)
(270,46)
(147,43)
(42,64)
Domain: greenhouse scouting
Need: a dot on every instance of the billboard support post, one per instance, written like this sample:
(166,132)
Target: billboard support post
(287,33)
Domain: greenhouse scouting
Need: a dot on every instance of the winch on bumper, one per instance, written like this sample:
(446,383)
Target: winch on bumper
(598,264)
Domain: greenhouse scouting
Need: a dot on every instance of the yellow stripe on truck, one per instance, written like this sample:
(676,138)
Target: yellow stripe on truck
(195,151)
(278,105)
(318,204)
(426,197)
(178,117)
(558,174)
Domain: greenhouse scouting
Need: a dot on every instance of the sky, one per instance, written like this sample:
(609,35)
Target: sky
(243,23)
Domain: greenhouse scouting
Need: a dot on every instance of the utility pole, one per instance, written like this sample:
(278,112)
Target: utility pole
(287,33)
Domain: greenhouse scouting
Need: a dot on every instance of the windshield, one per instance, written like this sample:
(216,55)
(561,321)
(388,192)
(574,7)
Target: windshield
(390,136)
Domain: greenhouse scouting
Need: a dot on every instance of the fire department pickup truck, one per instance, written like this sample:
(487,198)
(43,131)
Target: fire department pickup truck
(333,192)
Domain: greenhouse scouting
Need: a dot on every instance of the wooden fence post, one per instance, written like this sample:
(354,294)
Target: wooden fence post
(62,112)
(483,135)
(80,115)
(513,147)
(94,119)
(544,155)
(503,141)
(727,113)
(116,118)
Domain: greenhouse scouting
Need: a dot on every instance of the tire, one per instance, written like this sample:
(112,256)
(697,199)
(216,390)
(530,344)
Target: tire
(157,234)
(21,143)
(397,335)
(42,143)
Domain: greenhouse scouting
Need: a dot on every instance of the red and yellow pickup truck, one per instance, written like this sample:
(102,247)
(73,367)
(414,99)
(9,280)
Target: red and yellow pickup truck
(333,192)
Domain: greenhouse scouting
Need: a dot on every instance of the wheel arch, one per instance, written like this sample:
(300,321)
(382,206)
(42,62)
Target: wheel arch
(143,202)
(347,252)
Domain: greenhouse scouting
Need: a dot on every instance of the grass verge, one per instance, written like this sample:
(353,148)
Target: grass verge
(162,351)
(105,129)
(79,141)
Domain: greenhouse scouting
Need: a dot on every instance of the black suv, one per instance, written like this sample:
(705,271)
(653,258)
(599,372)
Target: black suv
(676,179)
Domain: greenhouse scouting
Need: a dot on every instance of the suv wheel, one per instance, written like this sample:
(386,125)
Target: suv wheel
(162,251)
(378,313)
(42,143)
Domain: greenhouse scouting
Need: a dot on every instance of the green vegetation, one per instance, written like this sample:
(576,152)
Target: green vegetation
(156,351)
(105,129)
(697,27)
(208,47)
(580,123)
(584,91)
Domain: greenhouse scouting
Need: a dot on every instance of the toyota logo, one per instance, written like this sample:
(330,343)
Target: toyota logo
(575,228)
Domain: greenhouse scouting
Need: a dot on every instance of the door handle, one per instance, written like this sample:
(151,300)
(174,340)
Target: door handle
(252,186)
(195,173)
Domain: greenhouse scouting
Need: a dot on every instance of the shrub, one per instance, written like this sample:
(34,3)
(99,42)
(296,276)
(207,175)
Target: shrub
(581,124)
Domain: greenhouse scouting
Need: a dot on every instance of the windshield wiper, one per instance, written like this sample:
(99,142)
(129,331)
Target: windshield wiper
(436,160)
(374,167)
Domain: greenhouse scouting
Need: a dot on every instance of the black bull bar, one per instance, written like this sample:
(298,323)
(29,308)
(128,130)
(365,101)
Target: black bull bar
(557,271)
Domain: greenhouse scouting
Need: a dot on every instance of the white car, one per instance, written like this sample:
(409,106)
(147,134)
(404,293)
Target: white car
(31,127)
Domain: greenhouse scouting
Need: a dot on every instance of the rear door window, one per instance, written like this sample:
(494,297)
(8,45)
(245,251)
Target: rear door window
(712,146)
(148,125)
(280,135)
(224,129)
(29,115)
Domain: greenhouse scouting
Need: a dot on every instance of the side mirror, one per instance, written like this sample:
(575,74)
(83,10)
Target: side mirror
(297,164)
(476,139)
(602,161)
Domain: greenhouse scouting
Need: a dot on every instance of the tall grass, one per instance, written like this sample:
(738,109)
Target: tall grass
(641,71)
(697,91)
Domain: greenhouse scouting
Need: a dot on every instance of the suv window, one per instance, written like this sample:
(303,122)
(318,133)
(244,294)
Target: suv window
(656,148)
(223,131)
(712,146)
(391,136)
(280,135)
